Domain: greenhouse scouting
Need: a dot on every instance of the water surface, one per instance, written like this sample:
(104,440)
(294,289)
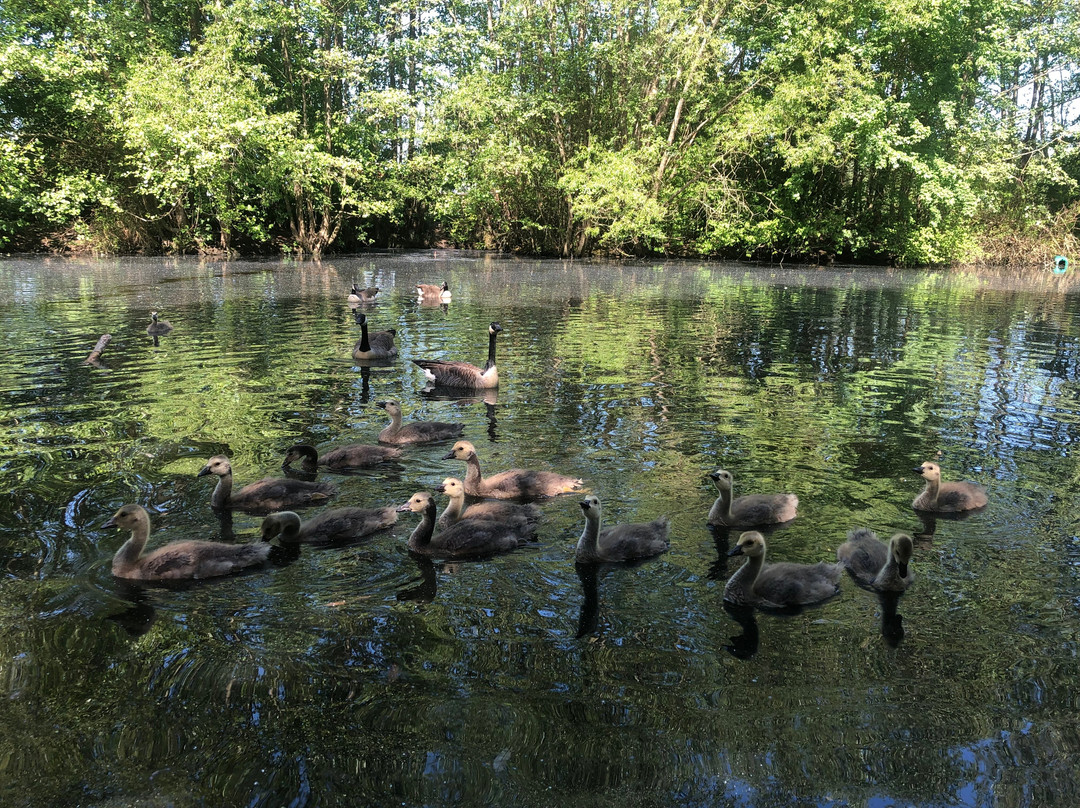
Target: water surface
(362,675)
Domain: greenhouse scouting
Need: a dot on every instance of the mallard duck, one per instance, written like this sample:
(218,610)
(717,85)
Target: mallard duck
(877,565)
(454,489)
(782,585)
(416,431)
(341,458)
(379,345)
(619,542)
(467,538)
(750,510)
(512,484)
(464,375)
(946,497)
(158,328)
(179,559)
(327,526)
(270,494)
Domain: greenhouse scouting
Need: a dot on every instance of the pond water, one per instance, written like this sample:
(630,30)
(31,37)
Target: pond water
(362,675)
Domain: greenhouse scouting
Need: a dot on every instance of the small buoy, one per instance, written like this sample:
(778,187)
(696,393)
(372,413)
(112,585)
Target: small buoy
(1061,264)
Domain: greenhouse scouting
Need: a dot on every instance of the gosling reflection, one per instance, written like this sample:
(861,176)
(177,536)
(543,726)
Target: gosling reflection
(590,605)
(745,645)
(426,587)
(140,614)
(930,520)
(892,622)
(718,569)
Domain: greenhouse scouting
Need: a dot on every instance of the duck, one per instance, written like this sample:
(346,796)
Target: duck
(415,431)
(270,494)
(464,375)
(358,295)
(379,345)
(783,585)
(454,489)
(464,539)
(433,290)
(342,458)
(328,526)
(158,328)
(511,484)
(624,542)
(177,560)
(750,510)
(877,565)
(942,497)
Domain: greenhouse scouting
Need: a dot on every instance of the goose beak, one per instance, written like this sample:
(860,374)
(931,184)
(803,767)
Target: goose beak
(403,508)
(441,489)
(584,504)
(449,455)
(380,404)
(918,469)
(735,551)
(203,471)
(110,523)
(902,569)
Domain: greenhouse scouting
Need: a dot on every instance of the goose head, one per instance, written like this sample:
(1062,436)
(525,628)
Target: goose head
(218,464)
(299,452)
(391,406)
(750,544)
(128,517)
(463,450)
(284,523)
(452,487)
(902,548)
(929,471)
(722,479)
(494,328)
(418,503)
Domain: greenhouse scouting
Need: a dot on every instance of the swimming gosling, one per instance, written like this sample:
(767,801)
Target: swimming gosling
(625,542)
(158,328)
(379,345)
(464,375)
(877,565)
(342,458)
(270,494)
(942,497)
(781,585)
(456,509)
(358,295)
(750,510)
(177,560)
(329,526)
(511,484)
(416,431)
(468,538)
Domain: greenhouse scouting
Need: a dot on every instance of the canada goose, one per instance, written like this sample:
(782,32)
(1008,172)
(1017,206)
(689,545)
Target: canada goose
(469,537)
(946,497)
(270,494)
(749,510)
(463,374)
(877,565)
(433,290)
(619,542)
(379,345)
(500,511)
(330,525)
(158,328)
(178,559)
(512,484)
(358,295)
(416,431)
(781,585)
(342,458)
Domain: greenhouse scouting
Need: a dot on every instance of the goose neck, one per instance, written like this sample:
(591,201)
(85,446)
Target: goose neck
(421,535)
(364,344)
(721,509)
(127,556)
(473,477)
(586,546)
(222,491)
(491,351)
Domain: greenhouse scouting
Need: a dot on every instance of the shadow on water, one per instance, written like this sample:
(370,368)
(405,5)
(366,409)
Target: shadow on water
(928,522)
